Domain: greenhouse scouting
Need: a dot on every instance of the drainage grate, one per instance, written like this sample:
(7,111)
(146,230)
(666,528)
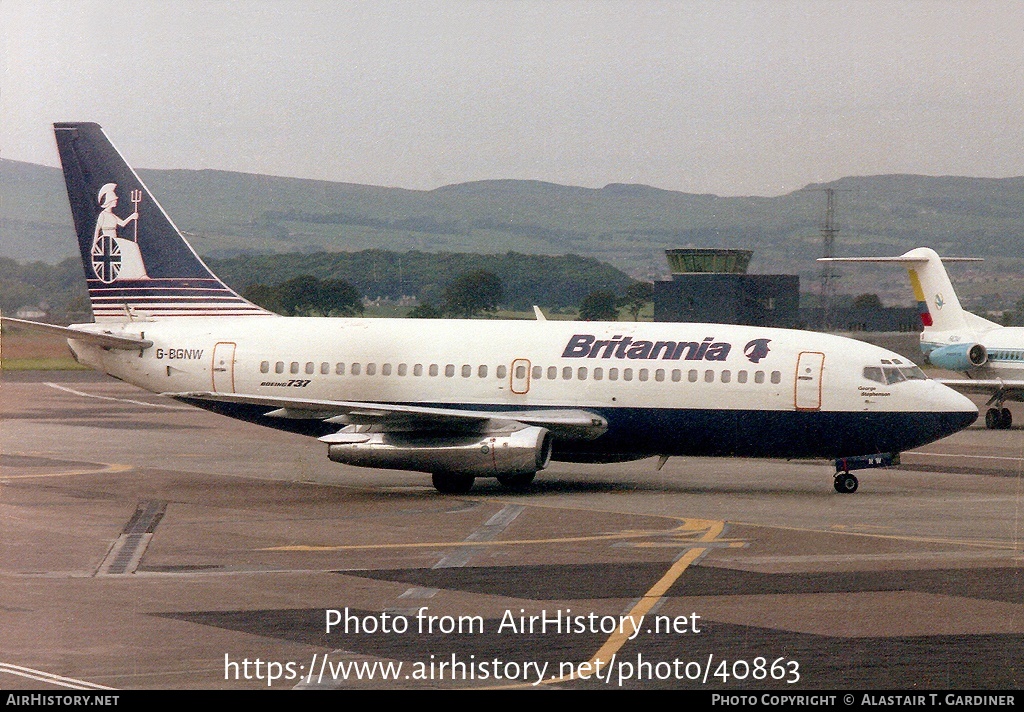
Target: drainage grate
(126,552)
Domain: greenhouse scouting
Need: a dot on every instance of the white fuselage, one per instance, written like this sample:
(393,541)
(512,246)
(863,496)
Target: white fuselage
(646,378)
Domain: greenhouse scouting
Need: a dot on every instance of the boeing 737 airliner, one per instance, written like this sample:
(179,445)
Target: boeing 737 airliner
(465,399)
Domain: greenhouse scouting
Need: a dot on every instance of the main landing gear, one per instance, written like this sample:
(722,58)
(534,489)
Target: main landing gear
(458,483)
(998,418)
(452,482)
(846,483)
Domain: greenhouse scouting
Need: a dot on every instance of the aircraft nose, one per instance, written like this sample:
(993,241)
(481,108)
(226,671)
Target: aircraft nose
(960,410)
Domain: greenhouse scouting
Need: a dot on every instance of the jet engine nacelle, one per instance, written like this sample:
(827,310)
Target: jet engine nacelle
(506,453)
(959,357)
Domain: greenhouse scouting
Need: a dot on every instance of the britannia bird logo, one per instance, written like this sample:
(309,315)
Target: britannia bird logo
(756,349)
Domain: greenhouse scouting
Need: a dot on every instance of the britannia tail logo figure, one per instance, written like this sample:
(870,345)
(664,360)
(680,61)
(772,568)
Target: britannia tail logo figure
(116,258)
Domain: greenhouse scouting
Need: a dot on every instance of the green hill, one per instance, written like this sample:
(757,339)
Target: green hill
(627,226)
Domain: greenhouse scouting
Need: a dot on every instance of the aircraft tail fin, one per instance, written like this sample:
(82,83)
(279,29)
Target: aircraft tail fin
(137,263)
(937,302)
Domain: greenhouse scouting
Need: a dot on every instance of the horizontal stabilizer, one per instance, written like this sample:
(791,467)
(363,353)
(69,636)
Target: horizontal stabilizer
(902,259)
(100,338)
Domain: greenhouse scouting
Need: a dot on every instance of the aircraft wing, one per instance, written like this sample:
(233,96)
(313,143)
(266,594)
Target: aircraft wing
(570,424)
(998,388)
(100,338)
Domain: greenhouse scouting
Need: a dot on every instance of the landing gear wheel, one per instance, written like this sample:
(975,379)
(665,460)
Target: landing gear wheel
(452,483)
(845,483)
(992,418)
(517,482)
(1005,419)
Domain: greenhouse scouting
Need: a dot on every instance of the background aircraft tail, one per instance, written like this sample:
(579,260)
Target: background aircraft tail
(137,263)
(937,302)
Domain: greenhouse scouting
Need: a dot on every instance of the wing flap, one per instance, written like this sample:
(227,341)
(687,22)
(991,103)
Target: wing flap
(571,424)
(1008,389)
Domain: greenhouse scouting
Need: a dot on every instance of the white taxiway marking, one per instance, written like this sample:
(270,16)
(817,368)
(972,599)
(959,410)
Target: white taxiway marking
(40,676)
(119,400)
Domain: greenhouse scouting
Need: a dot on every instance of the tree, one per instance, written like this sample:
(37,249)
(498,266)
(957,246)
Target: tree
(599,306)
(306,295)
(867,301)
(637,296)
(473,293)
(425,311)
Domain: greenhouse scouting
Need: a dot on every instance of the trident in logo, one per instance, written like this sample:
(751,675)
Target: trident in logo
(136,199)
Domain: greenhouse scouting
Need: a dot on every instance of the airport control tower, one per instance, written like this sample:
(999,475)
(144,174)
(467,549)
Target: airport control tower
(712,285)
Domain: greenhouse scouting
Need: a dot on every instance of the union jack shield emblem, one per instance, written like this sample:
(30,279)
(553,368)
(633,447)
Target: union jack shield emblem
(106,258)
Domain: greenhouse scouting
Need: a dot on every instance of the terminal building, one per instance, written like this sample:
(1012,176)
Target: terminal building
(711,285)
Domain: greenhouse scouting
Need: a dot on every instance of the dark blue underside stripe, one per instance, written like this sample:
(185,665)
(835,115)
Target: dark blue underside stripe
(642,432)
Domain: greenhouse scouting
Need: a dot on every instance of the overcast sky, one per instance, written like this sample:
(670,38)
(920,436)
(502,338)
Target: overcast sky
(732,98)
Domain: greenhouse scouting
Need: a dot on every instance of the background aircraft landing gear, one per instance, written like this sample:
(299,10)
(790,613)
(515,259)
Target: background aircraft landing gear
(845,483)
(517,482)
(998,419)
(452,483)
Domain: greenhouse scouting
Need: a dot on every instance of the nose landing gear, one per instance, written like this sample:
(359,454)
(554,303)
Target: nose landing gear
(845,483)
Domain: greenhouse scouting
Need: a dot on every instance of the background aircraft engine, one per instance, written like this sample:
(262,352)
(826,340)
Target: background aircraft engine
(959,357)
(506,453)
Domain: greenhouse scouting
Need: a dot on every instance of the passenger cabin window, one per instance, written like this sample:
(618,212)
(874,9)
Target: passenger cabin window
(709,376)
(692,375)
(537,372)
(449,370)
(279,367)
(481,372)
(339,369)
(759,377)
(310,368)
(403,369)
(613,374)
(294,367)
(726,376)
(598,374)
(355,369)
(567,373)
(371,369)
(325,368)
(552,373)
(659,375)
(776,377)
(677,375)
(500,372)
(644,374)
(627,374)
(741,376)
(265,367)
(433,369)
(385,370)
(581,373)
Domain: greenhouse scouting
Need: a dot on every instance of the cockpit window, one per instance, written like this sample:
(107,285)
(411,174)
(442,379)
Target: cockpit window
(913,373)
(893,375)
(887,375)
(874,373)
